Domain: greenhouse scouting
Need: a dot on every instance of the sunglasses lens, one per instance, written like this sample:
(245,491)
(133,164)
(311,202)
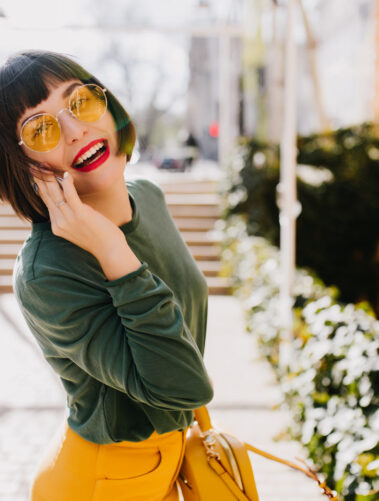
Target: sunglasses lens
(88,103)
(41,133)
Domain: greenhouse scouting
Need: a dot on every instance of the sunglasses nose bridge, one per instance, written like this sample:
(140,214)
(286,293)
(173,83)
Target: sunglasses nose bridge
(61,111)
(70,113)
(71,129)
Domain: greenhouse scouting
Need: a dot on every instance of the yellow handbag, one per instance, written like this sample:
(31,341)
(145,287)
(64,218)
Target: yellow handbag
(216,465)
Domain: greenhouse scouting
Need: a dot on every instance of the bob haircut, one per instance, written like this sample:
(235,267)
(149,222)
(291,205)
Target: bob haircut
(24,81)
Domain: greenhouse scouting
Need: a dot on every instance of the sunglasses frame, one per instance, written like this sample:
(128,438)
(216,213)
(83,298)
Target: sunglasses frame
(57,118)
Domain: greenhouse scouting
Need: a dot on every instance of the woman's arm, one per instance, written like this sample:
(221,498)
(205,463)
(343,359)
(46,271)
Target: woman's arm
(118,261)
(130,334)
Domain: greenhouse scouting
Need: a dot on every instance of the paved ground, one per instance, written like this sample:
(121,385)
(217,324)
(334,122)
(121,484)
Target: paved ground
(32,402)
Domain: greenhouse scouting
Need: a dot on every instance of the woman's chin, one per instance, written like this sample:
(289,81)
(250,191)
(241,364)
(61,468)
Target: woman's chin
(99,181)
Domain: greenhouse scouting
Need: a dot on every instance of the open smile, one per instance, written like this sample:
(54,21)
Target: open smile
(91,156)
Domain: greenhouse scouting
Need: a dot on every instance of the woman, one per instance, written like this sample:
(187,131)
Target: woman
(105,283)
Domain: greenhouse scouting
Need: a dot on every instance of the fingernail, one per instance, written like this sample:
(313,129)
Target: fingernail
(35,187)
(59,179)
(65,175)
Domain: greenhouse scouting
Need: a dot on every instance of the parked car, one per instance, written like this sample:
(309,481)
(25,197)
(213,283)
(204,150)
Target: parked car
(176,164)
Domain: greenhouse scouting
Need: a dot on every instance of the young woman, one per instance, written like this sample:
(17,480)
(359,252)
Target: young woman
(105,283)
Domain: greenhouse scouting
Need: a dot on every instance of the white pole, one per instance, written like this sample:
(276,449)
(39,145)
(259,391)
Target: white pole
(287,189)
(224,112)
(275,84)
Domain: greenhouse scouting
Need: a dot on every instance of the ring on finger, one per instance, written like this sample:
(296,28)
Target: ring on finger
(60,203)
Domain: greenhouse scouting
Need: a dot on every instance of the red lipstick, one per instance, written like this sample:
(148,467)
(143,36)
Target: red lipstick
(99,159)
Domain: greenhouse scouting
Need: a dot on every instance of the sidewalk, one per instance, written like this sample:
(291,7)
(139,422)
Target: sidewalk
(32,402)
(245,395)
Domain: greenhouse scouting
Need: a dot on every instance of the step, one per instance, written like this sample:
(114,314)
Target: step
(205,253)
(13,222)
(201,237)
(6,266)
(6,210)
(13,236)
(188,211)
(190,187)
(190,199)
(218,286)
(9,251)
(210,268)
(194,224)
(6,284)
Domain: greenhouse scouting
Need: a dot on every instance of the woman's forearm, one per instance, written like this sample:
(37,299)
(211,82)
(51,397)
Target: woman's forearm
(117,261)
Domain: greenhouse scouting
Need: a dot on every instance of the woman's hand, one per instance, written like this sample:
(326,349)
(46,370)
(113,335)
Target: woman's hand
(74,220)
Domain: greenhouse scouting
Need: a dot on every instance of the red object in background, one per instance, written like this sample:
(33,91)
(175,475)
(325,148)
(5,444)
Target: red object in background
(213,129)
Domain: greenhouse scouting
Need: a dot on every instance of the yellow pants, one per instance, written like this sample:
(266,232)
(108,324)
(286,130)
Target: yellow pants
(74,469)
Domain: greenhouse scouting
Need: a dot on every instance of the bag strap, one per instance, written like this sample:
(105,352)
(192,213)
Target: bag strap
(309,471)
(203,418)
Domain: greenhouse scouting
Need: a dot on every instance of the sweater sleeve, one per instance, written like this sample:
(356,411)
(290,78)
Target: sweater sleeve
(130,336)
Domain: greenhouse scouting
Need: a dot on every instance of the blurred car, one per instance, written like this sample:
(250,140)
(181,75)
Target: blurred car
(171,163)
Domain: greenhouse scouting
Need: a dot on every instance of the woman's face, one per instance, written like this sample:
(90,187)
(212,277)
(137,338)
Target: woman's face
(76,135)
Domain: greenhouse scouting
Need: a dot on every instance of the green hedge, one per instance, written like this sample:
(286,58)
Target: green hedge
(338,187)
(332,383)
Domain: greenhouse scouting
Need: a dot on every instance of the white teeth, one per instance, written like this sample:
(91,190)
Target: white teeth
(89,153)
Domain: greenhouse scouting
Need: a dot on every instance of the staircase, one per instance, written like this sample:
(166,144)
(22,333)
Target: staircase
(193,205)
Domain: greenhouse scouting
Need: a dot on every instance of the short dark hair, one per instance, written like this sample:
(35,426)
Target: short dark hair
(24,81)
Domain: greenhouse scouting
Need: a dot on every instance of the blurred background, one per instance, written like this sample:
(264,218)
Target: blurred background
(180,68)
(260,121)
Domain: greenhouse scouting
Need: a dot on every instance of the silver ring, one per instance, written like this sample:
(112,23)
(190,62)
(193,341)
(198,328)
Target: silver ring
(60,202)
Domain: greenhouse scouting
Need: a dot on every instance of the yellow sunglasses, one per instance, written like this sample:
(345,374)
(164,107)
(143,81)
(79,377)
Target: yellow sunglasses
(42,132)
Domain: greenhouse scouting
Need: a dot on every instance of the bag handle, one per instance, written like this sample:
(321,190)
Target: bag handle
(203,418)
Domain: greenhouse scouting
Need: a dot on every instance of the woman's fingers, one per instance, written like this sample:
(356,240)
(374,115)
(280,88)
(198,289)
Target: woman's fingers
(50,180)
(61,214)
(53,189)
(46,199)
(59,189)
(69,191)
(43,173)
(45,195)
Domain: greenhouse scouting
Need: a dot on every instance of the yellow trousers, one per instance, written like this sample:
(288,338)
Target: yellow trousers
(74,469)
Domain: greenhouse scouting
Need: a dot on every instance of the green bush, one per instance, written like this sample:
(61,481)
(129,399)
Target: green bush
(338,188)
(331,385)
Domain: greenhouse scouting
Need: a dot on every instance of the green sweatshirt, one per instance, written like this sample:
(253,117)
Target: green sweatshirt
(129,352)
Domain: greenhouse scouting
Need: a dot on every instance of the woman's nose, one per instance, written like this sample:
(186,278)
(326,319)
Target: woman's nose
(72,129)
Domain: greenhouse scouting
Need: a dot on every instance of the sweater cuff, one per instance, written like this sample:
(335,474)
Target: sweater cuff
(128,276)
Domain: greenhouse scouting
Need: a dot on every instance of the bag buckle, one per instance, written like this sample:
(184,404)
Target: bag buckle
(209,443)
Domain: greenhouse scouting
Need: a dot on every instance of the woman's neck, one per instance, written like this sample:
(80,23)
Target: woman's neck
(113,203)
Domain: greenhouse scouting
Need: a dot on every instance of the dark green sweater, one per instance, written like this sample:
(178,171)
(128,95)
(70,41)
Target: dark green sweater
(128,351)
